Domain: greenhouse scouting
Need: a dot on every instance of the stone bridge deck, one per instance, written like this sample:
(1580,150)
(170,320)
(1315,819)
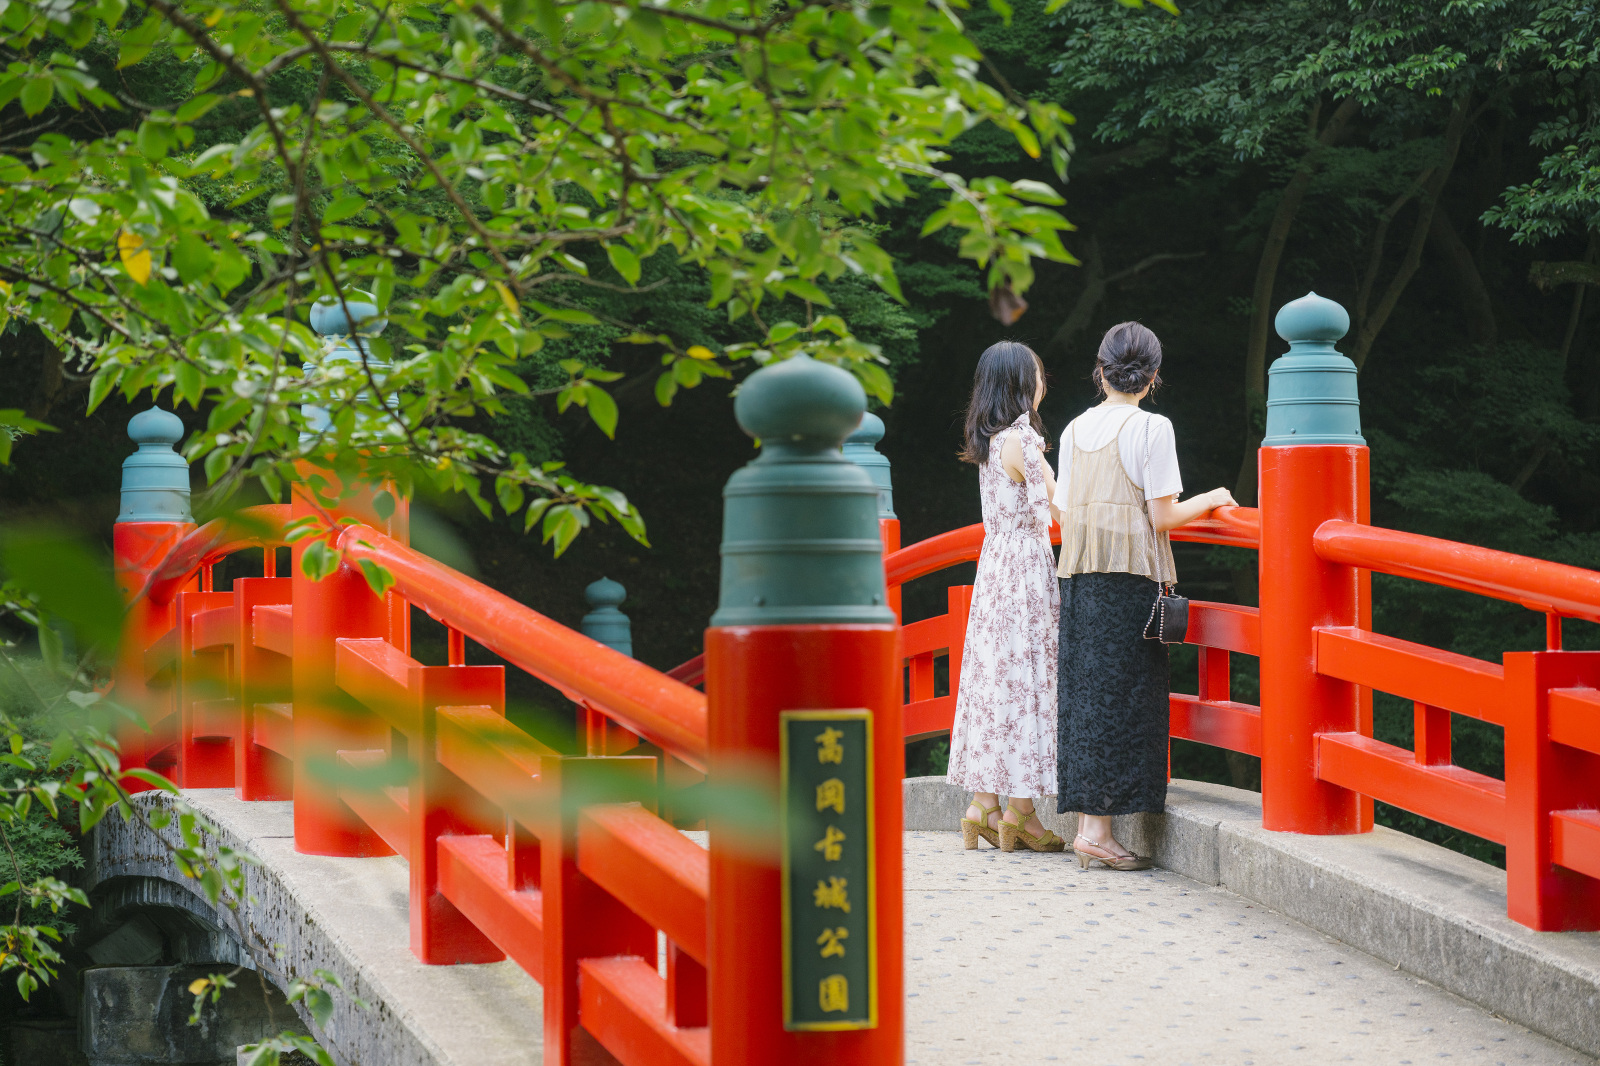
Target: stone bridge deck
(1027,959)
(1019,958)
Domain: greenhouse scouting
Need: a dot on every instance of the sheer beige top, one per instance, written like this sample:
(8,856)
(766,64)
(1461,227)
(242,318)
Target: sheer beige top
(1105,525)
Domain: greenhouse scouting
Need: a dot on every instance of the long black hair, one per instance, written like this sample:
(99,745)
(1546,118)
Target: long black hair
(1128,360)
(1008,375)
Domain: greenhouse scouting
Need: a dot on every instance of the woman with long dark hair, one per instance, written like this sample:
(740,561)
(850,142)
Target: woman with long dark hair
(1003,742)
(1117,496)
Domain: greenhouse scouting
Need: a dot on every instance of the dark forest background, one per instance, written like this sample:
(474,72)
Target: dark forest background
(1222,169)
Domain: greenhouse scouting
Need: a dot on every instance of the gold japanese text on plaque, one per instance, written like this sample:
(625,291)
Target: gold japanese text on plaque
(830,968)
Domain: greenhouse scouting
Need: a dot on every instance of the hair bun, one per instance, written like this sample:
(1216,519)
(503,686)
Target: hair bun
(1129,359)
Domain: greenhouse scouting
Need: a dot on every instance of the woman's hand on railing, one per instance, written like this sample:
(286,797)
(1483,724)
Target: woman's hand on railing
(1167,513)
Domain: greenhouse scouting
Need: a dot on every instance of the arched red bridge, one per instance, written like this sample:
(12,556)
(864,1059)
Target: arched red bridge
(284,687)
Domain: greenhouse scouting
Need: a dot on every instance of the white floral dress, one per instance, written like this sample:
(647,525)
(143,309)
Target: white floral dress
(1004,736)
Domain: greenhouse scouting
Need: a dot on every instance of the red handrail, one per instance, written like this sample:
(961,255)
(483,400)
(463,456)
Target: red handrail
(1236,526)
(248,527)
(664,711)
(1553,588)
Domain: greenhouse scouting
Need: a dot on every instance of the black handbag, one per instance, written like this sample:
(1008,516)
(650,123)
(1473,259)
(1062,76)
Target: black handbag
(1169,615)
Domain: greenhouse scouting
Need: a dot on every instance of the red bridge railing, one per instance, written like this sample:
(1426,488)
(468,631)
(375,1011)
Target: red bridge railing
(514,850)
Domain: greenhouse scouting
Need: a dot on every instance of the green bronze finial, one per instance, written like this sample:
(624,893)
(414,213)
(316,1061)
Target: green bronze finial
(347,343)
(1311,390)
(155,479)
(800,541)
(859,449)
(604,622)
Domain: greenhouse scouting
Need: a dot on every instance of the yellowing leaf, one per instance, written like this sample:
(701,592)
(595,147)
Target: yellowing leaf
(199,985)
(505,296)
(700,351)
(135,256)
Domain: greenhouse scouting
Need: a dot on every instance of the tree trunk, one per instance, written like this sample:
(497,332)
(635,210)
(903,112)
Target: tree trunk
(1367,330)
(1470,289)
(1088,301)
(1255,357)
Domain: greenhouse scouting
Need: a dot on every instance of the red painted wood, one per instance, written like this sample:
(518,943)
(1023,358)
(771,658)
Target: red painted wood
(650,867)
(327,721)
(582,920)
(753,673)
(496,759)
(1302,487)
(274,730)
(1575,718)
(624,1006)
(1413,671)
(1575,841)
(272,628)
(261,676)
(1534,583)
(215,628)
(1468,801)
(1220,723)
(1431,733)
(139,548)
(929,718)
(212,720)
(663,711)
(1543,775)
(472,876)
(162,654)
(688,1006)
(1224,625)
(1216,674)
(198,548)
(382,810)
(204,760)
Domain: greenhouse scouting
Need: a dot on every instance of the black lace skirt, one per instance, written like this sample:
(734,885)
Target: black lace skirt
(1112,717)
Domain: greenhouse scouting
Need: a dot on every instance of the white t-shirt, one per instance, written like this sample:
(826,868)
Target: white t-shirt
(1095,428)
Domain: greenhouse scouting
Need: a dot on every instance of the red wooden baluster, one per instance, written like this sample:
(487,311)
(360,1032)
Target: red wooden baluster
(439,803)
(1432,735)
(260,676)
(581,920)
(326,721)
(1542,776)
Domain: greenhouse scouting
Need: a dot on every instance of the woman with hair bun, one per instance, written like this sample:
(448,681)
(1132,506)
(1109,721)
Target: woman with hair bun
(1003,741)
(1117,495)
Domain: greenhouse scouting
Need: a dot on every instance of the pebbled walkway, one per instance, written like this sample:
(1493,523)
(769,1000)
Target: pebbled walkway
(1025,958)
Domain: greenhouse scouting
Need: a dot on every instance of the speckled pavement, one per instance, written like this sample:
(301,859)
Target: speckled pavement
(1026,958)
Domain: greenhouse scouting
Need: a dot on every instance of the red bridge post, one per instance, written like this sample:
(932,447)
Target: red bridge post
(804,626)
(326,721)
(1313,467)
(153,518)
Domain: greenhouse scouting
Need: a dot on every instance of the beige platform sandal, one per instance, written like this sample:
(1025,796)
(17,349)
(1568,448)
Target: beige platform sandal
(1105,857)
(971,830)
(1011,835)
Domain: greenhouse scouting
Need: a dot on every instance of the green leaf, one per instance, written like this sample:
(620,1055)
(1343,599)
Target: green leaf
(344,207)
(192,257)
(318,560)
(36,95)
(603,409)
(70,580)
(666,388)
(105,379)
(624,262)
(379,579)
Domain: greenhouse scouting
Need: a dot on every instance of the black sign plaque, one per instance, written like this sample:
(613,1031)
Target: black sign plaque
(830,966)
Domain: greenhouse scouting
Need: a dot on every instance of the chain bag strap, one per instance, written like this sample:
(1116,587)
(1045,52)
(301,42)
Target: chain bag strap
(1169,614)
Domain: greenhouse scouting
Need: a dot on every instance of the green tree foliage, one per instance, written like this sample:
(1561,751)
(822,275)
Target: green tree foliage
(490,174)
